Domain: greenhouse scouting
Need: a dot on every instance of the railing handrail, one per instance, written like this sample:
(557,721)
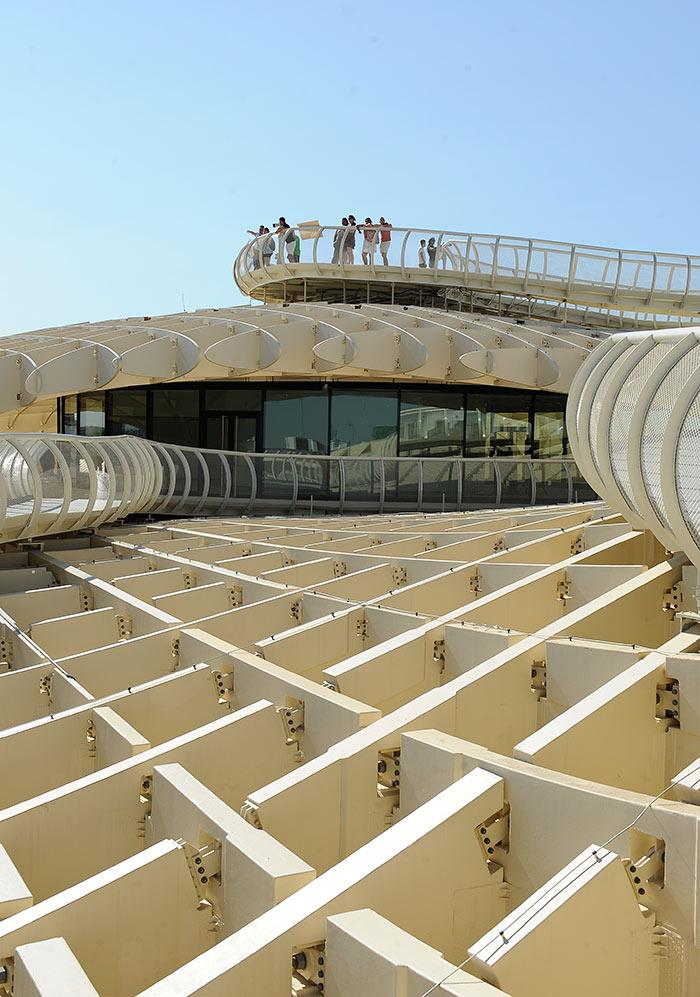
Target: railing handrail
(488,236)
(53,483)
(580,275)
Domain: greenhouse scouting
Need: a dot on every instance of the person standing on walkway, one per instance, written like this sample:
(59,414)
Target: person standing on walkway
(432,252)
(268,247)
(255,248)
(350,240)
(369,233)
(384,240)
(421,254)
(338,246)
(286,237)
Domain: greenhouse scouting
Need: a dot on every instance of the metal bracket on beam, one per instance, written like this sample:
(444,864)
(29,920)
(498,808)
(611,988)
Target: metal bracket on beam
(235,596)
(539,679)
(124,626)
(292,716)
(564,590)
(223,684)
(399,576)
(647,873)
(493,835)
(668,703)
(672,600)
(145,803)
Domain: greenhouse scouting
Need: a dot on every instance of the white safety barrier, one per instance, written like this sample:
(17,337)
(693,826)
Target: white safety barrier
(51,483)
(581,277)
(633,419)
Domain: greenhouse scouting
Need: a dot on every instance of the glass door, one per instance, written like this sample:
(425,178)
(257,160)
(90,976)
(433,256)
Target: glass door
(237,431)
(245,433)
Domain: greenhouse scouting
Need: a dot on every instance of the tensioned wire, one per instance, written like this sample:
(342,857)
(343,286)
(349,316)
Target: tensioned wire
(505,940)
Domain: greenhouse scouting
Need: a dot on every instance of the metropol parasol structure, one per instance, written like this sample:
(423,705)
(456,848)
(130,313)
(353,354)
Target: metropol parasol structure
(349,637)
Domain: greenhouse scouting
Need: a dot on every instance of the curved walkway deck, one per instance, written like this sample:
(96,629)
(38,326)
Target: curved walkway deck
(52,484)
(509,274)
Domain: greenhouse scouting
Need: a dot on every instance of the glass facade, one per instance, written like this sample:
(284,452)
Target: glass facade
(431,423)
(498,424)
(346,420)
(91,414)
(550,427)
(364,423)
(175,416)
(296,421)
(69,414)
(128,412)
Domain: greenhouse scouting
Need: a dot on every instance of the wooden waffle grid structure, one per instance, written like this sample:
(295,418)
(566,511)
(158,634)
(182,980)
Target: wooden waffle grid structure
(347,756)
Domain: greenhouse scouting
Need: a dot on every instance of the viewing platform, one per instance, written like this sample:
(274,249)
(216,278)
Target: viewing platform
(497,274)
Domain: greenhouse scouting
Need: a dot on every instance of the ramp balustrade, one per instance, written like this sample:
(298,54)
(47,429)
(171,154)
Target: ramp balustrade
(52,483)
(660,285)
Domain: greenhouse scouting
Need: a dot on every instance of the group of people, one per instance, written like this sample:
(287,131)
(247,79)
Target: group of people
(374,236)
(288,239)
(344,240)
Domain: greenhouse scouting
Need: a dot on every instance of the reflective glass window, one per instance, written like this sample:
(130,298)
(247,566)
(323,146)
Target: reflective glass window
(296,421)
(431,423)
(176,416)
(128,412)
(364,422)
(233,399)
(498,425)
(550,426)
(70,414)
(91,416)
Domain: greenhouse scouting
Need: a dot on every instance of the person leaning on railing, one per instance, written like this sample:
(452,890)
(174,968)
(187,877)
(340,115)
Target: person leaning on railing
(349,252)
(369,233)
(255,251)
(384,240)
(262,247)
(289,239)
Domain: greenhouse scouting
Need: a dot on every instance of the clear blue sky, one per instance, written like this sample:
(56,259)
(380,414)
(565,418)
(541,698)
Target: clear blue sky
(140,140)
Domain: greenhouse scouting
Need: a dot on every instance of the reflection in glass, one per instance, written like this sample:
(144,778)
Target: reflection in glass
(176,416)
(91,417)
(550,426)
(233,400)
(70,414)
(498,425)
(431,423)
(364,423)
(296,421)
(128,412)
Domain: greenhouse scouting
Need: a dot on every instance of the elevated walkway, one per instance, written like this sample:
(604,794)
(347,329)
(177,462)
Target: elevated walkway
(497,274)
(51,484)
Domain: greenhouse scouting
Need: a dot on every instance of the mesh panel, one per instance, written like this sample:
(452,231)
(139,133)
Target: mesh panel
(479,487)
(441,478)
(516,482)
(598,400)
(551,481)
(622,413)
(688,469)
(655,426)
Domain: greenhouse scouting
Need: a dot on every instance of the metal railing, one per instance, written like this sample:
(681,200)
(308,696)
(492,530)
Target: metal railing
(664,284)
(53,483)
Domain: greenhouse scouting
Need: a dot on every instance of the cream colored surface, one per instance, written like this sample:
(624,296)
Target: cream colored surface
(273,757)
(317,341)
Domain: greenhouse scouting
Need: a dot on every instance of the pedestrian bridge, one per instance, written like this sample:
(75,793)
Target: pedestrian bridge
(52,483)
(504,274)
